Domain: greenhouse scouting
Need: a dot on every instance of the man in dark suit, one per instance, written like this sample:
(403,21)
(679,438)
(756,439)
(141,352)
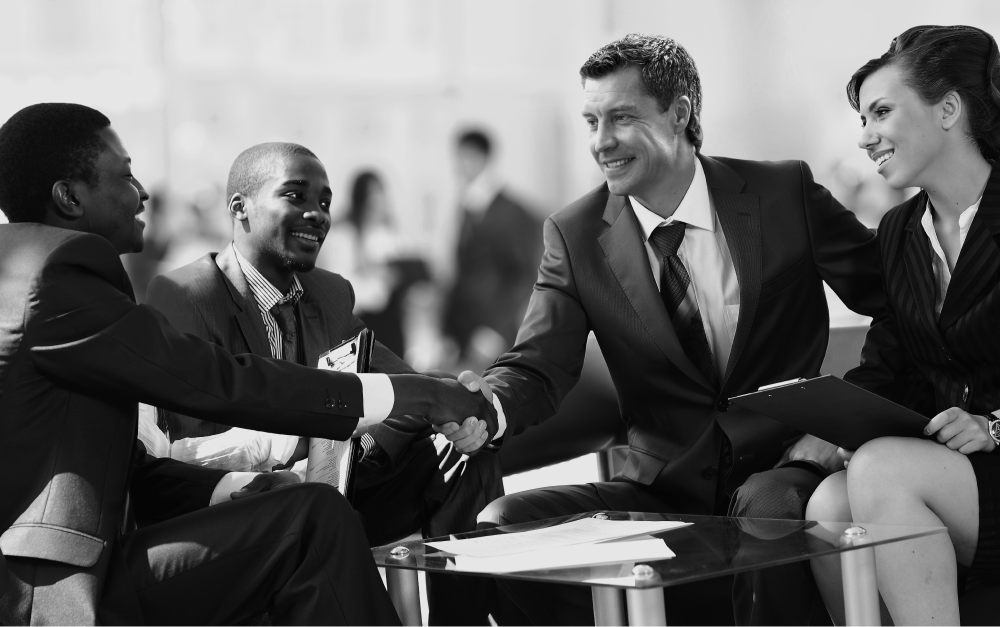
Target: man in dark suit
(77,353)
(404,483)
(702,279)
(497,257)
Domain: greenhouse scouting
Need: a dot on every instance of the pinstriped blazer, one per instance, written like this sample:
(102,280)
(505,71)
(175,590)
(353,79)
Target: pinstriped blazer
(910,355)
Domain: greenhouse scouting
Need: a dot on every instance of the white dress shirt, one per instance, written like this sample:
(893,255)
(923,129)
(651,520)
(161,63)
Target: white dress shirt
(706,256)
(939,263)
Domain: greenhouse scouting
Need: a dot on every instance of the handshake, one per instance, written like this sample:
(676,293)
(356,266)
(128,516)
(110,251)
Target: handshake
(460,409)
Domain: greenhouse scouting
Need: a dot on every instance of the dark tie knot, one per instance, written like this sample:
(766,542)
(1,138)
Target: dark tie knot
(667,239)
(284,315)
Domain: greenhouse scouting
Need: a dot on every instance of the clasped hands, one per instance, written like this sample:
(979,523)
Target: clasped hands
(472,433)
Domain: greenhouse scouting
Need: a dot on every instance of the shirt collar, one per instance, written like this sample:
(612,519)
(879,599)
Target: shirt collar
(695,208)
(481,191)
(964,222)
(266,294)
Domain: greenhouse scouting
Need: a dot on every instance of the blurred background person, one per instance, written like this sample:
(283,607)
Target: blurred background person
(366,250)
(499,246)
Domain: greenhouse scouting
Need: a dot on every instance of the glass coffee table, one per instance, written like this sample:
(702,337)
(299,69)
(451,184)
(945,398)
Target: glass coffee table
(712,546)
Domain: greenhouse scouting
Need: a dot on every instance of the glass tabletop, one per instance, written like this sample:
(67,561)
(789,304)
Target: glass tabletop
(711,546)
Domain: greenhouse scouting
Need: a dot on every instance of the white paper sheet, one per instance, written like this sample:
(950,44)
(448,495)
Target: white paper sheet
(576,532)
(329,460)
(567,557)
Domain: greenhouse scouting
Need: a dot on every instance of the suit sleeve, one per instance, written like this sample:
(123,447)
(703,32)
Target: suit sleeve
(545,362)
(165,488)
(90,335)
(845,252)
(886,365)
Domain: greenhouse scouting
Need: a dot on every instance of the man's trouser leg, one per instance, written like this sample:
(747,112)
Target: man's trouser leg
(783,595)
(298,553)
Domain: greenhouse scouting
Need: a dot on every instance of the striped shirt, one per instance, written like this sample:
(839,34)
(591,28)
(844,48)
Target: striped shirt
(267,297)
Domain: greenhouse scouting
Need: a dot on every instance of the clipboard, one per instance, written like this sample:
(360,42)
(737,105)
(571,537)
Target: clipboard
(351,355)
(833,410)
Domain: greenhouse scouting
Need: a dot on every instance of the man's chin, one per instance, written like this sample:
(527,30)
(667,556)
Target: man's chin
(619,187)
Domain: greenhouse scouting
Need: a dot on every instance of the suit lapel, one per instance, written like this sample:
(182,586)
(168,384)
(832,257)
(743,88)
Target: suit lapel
(315,330)
(979,260)
(625,251)
(739,216)
(248,317)
(919,268)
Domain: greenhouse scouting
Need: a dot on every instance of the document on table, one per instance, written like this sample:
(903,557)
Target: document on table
(651,549)
(587,530)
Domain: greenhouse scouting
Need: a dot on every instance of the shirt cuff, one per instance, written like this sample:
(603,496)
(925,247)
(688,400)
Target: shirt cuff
(501,418)
(230,483)
(376,390)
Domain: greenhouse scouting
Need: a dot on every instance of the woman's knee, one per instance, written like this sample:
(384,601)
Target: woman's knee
(885,469)
(829,502)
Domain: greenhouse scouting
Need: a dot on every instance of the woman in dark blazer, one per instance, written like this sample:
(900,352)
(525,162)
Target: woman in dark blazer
(930,111)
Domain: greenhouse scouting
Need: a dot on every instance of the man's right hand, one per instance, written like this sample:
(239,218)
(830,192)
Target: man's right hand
(441,401)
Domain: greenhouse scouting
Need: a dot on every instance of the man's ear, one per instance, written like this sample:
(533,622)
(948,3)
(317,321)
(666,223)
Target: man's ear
(951,110)
(66,201)
(680,114)
(239,206)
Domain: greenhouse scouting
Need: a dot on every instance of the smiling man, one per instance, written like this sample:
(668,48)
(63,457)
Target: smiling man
(702,279)
(77,354)
(263,295)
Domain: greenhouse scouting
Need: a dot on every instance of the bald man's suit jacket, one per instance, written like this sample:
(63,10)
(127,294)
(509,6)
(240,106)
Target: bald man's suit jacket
(787,235)
(211,298)
(76,356)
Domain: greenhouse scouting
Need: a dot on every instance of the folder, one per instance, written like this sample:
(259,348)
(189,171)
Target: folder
(833,410)
(330,461)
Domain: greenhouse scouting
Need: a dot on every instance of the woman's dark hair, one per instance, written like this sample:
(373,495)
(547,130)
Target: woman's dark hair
(360,192)
(941,59)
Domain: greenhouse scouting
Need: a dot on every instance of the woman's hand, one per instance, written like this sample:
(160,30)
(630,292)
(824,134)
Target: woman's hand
(845,455)
(961,431)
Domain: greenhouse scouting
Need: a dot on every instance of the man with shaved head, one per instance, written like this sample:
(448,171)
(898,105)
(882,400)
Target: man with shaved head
(92,528)
(262,295)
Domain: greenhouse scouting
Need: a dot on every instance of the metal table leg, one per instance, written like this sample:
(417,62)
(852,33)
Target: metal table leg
(405,594)
(861,605)
(645,607)
(609,606)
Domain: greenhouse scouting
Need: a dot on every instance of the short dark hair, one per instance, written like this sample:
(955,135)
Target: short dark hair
(41,144)
(941,59)
(256,164)
(476,139)
(666,68)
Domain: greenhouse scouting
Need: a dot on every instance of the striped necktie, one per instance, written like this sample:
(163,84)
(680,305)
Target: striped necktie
(284,315)
(679,299)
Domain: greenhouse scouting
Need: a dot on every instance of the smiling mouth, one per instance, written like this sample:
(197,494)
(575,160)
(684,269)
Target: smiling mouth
(306,236)
(882,158)
(612,165)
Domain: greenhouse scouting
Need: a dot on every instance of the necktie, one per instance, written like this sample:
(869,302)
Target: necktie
(284,315)
(679,299)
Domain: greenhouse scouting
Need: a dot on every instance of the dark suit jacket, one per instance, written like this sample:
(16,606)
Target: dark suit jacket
(211,299)
(497,262)
(786,234)
(76,354)
(915,358)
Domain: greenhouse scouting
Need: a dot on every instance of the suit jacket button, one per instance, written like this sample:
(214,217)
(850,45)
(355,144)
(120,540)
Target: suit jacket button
(708,474)
(723,405)
(329,402)
(341,405)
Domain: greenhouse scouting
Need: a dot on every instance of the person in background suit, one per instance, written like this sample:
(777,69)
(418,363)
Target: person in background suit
(77,353)
(497,257)
(929,110)
(279,196)
(702,279)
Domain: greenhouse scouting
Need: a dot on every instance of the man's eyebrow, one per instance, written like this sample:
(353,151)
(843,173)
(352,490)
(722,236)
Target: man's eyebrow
(299,182)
